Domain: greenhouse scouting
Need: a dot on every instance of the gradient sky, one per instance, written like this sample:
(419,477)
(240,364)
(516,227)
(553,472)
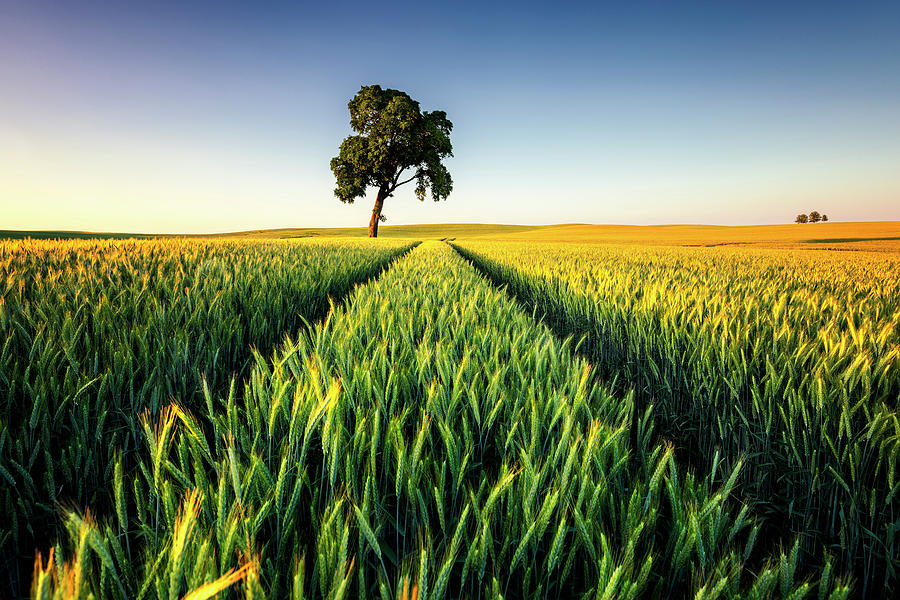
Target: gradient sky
(214,116)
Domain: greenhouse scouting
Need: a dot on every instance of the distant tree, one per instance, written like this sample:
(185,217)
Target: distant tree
(801,219)
(824,218)
(392,135)
(815,217)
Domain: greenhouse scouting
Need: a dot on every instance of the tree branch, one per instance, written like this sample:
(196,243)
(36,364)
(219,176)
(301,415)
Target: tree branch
(397,176)
(396,185)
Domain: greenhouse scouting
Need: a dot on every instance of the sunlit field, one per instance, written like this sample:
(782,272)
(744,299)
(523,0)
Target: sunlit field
(496,412)
(781,363)
(837,235)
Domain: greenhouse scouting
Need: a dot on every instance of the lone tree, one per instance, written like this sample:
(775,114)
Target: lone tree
(815,217)
(801,219)
(394,139)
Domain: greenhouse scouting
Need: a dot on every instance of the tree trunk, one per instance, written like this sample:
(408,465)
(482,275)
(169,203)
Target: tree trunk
(376,214)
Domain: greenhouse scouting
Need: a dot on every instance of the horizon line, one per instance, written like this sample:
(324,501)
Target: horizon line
(4,232)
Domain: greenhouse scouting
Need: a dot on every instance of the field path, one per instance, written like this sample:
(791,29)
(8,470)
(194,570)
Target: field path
(783,363)
(95,333)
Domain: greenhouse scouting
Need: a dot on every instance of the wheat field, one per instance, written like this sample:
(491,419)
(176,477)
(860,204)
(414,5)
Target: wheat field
(516,418)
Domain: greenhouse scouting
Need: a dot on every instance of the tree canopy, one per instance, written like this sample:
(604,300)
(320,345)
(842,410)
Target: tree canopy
(395,143)
(813,217)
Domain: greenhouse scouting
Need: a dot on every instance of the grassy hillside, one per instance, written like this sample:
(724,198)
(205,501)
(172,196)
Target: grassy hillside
(875,235)
(714,235)
(14,234)
(426,231)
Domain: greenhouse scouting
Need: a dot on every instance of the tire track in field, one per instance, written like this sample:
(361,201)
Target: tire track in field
(19,563)
(620,387)
(775,537)
(365,278)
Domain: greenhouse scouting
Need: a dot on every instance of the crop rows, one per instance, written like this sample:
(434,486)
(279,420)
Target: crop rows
(788,362)
(429,439)
(94,333)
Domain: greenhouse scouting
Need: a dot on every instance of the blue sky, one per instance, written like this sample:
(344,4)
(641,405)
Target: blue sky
(216,116)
